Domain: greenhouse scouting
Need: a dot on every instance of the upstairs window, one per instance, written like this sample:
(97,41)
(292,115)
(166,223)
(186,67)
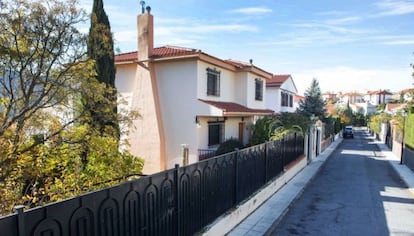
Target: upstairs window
(258,89)
(213,82)
(287,100)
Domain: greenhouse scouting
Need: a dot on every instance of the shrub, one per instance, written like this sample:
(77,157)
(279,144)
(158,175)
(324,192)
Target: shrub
(229,146)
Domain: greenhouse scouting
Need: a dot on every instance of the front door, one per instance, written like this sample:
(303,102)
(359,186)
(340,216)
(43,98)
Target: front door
(241,132)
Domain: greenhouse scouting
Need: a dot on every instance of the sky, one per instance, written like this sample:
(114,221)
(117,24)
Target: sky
(352,45)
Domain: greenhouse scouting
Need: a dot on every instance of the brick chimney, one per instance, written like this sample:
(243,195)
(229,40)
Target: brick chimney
(145,35)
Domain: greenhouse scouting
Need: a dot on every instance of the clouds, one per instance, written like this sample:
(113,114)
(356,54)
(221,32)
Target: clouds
(394,8)
(252,10)
(342,43)
(348,79)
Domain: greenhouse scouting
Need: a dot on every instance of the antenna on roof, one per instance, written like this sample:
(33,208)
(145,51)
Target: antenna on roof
(142,6)
(251,61)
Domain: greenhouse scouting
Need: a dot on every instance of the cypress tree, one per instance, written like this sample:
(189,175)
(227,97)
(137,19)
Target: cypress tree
(313,104)
(101,49)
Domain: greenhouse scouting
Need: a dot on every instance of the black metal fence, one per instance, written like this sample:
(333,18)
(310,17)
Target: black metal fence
(179,201)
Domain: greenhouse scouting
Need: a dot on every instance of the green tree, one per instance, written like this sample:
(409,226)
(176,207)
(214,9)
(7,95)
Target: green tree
(313,104)
(263,129)
(101,49)
(44,76)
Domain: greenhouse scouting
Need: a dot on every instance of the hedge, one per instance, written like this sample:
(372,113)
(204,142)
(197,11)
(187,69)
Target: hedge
(409,131)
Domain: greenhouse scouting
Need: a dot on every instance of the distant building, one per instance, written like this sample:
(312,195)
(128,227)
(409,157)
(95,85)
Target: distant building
(352,97)
(393,108)
(406,94)
(378,97)
(280,93)
(330,97)
(296,100)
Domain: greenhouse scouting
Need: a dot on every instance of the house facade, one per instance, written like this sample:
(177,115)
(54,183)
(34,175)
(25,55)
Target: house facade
(352,97)
(189,101)
(280,94)
(378,97)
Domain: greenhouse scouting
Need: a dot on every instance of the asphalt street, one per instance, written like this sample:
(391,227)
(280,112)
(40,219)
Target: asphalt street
(356,193)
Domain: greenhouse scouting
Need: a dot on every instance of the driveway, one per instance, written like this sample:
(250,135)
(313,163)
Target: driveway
(356,193)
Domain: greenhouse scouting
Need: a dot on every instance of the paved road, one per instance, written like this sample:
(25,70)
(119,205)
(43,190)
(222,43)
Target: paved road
(355,193)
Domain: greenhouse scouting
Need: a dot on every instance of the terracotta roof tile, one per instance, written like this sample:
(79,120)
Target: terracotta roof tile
(298,98)
(238,64)
(395,106)
(277,80)
(378,92)
(231,107)
(166,51)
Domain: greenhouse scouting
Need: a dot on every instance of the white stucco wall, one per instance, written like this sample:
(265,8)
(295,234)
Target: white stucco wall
(177,83)
(240,85)
(227,82)
(251,92)
(273,98)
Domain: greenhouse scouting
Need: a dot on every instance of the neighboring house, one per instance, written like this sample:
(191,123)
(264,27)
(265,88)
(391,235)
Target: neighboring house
(296,100)
(406,94)
(186,98)
(330,97)
(393,108)
(352,97)
(364,108)
(280,93)
(378,97)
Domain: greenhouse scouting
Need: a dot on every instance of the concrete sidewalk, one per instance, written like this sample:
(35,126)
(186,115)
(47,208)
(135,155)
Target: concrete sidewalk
(264,220)
(402,170)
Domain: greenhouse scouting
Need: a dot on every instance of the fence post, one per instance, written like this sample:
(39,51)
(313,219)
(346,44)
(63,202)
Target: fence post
(19,209)
(266,162)
(177,199)
(283,152)
(236,176)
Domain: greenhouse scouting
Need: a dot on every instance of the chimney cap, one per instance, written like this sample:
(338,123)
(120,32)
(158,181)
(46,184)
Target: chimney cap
(142,3)
(148,8)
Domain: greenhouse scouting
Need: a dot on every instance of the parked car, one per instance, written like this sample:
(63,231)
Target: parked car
(348,132)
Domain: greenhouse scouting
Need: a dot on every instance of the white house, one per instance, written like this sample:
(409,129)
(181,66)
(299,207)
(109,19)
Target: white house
(364,108)
(280,93)
(378,97)
(406,95)
(394,108)
(352,97)
(186,98)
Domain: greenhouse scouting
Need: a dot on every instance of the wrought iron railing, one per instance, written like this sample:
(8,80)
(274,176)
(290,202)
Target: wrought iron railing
(179,201)
(204,154)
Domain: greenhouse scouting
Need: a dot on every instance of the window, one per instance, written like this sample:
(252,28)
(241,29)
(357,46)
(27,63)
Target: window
(287,100)
(213,82)
(258,89)
(215,133)
(284,99)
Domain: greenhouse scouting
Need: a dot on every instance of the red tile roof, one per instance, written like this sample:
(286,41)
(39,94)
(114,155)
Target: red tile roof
(277,80)
(395,106)
(238,64)
(404,91)
(166,51)
(229,108)
(298,98)
(379,92)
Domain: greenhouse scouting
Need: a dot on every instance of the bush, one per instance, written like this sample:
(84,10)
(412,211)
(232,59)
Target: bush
(229,146)
(409,131)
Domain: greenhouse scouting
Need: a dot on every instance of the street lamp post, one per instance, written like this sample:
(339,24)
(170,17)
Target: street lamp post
(404,114)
